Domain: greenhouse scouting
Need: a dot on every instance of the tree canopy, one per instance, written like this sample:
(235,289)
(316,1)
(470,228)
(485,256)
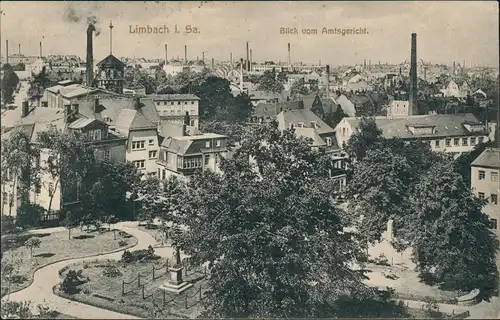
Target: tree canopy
(272,81)
(10,81)
(274,241)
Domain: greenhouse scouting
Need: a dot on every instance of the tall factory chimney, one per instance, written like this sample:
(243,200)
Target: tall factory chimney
(241,75)
(6,51)
(327,81)
(289,55)
(250,64)
(364,64)
(166,53)
(413,108)
(454,67)
(186,54)
(213,62)
(231,58)
(203,56)
(19,48)
(369,64)
(248,59)
(463,66)
(41,49)
(90,55)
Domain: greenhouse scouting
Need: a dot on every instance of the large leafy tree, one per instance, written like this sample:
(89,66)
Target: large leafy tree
(449,232)
(334,118)
(272,81)
(214,93)
(298,89)
(368,136)
(272,237)
(38,84)
(10,80)
(237,110)
(70,157)
(20,165)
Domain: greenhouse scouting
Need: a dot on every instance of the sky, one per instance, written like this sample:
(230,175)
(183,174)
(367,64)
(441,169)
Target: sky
(446,31)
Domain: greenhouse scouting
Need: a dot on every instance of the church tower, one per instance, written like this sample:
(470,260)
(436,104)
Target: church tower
(111,70)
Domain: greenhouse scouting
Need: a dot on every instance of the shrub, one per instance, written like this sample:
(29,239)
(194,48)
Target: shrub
(122,243)
(71,282)
(127,257)
(381,260)
(123,234)
(111,272)
(29,215)
(139,255)
(19,279)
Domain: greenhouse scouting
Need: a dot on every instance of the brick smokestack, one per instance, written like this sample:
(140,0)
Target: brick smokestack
(231,58)
(19,48)
(250,64)
(248,58)
(90,55)
(454,66)
(327,81)
(186,53)
(7,51)
(413,108)
(166,53)
(41,49)
(289,55)
(241,75)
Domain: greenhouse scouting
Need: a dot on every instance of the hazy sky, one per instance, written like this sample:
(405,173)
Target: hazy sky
(446,31)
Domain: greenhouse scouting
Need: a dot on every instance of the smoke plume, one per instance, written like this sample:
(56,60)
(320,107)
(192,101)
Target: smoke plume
(73,15)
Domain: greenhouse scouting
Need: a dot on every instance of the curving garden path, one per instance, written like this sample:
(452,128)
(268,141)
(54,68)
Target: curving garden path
(45,278)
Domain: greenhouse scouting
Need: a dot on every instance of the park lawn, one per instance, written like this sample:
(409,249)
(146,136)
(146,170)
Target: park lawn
(55,247)
(106,292)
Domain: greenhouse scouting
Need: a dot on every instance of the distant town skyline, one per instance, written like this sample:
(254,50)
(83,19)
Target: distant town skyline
(446,31)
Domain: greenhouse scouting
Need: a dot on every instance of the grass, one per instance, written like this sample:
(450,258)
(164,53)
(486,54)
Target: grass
(54,247)
(106,292)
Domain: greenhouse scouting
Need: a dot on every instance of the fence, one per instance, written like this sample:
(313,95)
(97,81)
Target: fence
(144,277)
(179,300)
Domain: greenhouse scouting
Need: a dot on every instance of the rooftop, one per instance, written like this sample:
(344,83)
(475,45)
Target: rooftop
(172,97)
(489,158)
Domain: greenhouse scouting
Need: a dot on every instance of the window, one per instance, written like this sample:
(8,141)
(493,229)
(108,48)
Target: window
(329,141)
(139,164)
(456,141)
(217,158)
(481,139)
(472,141)
(4,198)
(465,142)
(95,135)
(343,132)
(151,142)
(185,102)
(164,174)
(437,143)
(207,159)
(494,176)
(137,145)
(192,102)
(494,199)
(480,195)
(493,224)
(207,144)
(152,154)
(106,155)
(191,123)
(301,125)
(481,175)
(217,143)
(178,102)
(448,142)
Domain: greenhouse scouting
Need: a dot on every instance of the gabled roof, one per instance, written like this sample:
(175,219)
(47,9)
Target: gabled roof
(129,119)
(311,134)
(489,158)
(172,97)
(307,117)
(80,123)
(329,105)
(272,109)
(111,62)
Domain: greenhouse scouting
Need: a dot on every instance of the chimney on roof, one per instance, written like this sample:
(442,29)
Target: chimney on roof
(96,104)
(137,103)
(76,108)
(24,109)
(412,106)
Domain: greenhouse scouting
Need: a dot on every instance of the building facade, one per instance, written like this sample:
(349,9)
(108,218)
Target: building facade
(172,108)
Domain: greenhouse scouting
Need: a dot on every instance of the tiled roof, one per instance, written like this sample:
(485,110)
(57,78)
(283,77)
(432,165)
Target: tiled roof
(114,104)
(176,146)
(171,130)
(329,105)
(489,158)
(111,61)
(172,97)
(307,117)
(311,134)
(272,109)
(80,123)
(129,119)
(446,125)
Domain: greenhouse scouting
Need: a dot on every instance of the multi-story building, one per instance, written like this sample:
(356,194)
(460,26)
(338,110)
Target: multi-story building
(452,133)
(55,193)
(182,154)
(173,107)
(485,183)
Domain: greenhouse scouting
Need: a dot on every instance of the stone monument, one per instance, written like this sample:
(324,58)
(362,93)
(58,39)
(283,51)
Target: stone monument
(176,284)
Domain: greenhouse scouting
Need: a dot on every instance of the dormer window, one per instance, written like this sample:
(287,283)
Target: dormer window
(300,124)
(314,124)
(421,129)
(329,142)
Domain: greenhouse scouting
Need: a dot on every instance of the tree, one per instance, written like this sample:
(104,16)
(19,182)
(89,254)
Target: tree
(148,191)
(238,109)
(298,89)
(450,236)
(367,137)
(20,165)
(29,215)
(335,117)
(10,81)
(32,243)
(38,84)
(70,157)
(273,239)
(214,93)
(378,191)
(271,81)
(71,220)
(317,107)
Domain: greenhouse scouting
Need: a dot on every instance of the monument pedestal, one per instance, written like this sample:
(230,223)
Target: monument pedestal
(176,284)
